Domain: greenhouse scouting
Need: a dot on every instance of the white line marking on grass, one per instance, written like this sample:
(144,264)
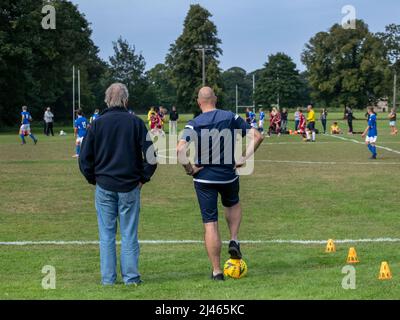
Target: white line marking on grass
(165,242)
(363,143)
(328,162)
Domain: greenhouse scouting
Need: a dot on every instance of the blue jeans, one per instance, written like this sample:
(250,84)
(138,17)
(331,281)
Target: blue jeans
(124,207)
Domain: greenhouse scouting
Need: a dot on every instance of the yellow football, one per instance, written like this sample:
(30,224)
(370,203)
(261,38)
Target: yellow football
(235,268)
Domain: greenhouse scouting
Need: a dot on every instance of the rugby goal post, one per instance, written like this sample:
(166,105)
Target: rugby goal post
(253,107)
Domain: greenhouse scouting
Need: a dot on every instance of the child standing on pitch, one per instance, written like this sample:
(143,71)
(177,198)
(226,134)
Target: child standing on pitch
(261,121)
(371,132)
(393,118)
(310,132)
(25,129)
(80,132)
(302,124)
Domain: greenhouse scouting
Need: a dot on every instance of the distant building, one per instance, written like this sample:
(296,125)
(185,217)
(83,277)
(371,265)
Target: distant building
(381,105)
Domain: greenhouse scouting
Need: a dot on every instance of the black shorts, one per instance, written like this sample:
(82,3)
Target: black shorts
(311,126)
(207,195)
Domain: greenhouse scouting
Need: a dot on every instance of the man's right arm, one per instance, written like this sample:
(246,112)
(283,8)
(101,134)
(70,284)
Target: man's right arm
(149,154)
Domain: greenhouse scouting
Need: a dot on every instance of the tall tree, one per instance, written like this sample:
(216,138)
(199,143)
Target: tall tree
(232,77)
(185,63)
(279,82)
(36,64)
(347,66)
(391,39)
(127,66)
(160,86)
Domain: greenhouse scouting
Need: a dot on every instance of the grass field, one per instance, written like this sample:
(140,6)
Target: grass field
(299,191)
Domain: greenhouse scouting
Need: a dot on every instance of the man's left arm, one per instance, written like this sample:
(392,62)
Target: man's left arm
(86,157)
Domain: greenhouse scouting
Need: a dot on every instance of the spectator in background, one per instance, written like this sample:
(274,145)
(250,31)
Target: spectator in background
(324,119)
(248,119)
(49,121)
(173,121)
(393,118)
(284,120)
(349,116)
(296,119)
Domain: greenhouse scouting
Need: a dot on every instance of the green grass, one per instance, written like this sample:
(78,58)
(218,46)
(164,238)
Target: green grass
(43,197)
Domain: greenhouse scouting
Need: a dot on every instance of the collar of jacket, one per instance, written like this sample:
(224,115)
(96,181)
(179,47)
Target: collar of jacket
(114,109)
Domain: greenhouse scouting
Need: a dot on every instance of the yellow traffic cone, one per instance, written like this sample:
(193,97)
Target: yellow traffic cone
(330,247)
(385,273)
(352,256)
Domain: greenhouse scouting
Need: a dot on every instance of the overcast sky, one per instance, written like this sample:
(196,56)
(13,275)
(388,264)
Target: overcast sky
(249,29)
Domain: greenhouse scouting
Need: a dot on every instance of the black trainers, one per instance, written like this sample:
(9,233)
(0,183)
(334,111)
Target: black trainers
(373,157)
(218,277)
(234,250)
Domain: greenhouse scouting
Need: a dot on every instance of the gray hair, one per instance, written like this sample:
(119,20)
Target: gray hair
(117,95)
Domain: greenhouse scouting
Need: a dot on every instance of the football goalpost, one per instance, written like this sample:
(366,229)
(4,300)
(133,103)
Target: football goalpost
(73,93)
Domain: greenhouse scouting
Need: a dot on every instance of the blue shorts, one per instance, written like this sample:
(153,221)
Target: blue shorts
(207,195)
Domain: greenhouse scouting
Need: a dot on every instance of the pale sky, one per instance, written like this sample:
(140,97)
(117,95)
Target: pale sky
(249,29)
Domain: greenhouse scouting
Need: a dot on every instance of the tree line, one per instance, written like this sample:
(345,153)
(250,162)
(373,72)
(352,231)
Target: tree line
(352,67)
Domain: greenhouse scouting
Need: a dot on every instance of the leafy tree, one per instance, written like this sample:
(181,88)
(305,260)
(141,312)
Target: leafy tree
(161,89)
(127,67)
(237,76)
(391,39)
(185,63)
(347,66)
(279,82)
(36,64)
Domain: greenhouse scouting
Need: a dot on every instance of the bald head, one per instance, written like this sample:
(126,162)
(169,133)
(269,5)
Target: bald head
(207,98)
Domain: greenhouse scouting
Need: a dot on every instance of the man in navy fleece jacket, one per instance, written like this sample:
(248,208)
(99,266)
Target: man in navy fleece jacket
(118,157)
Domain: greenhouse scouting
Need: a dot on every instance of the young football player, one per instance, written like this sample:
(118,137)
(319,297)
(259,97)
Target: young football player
(310,132)
(253,119)
(302,125)
(80,131)
(25,129)
(94,116)
(371,133)
(261,120)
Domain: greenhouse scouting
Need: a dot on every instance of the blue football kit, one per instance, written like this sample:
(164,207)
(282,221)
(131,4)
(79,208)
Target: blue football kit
(25,129)
(81,125)
(372,134)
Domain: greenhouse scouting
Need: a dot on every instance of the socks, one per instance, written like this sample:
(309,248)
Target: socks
(372,149)
(308,135)
(32,137)
(313,136)
(23,138)
(78,149)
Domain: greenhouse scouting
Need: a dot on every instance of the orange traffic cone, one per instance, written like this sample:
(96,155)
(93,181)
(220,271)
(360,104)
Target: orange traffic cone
(330,247)
(385,273)
(352,256)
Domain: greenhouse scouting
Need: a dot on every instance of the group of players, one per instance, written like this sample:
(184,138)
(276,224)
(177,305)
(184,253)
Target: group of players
(304,126)
(278,120)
